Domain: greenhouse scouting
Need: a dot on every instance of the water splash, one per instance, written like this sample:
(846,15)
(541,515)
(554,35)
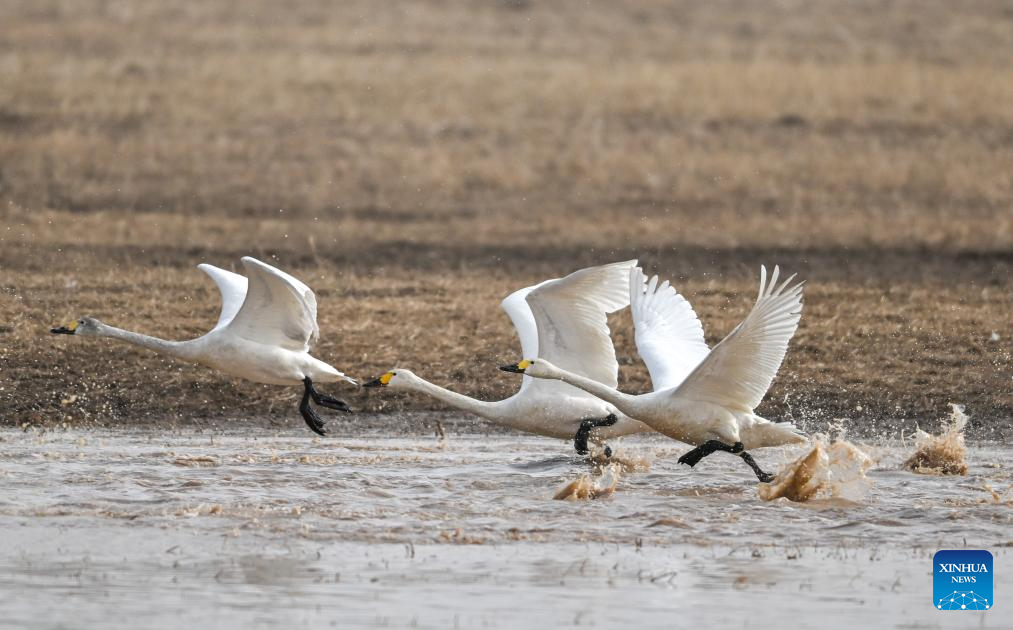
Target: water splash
(601,482)
(943,454)
(831,469)
(629,460)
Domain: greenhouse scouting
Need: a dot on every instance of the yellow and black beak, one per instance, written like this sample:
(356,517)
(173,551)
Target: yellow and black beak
(517,368)
(69,329)
(383,381)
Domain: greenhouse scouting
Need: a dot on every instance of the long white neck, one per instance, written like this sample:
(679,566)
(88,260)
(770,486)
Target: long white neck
(184,350)
(489,410)
(623,402)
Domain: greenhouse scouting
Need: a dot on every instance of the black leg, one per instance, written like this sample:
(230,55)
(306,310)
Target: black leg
(580,439)
(324,400)
(762,476)
(313,421)
(693,457)
(584,432)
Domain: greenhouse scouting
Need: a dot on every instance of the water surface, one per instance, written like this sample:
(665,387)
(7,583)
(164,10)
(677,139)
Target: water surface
(260,528)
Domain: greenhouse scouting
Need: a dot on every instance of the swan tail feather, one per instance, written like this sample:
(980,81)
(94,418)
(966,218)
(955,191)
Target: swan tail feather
(757,432)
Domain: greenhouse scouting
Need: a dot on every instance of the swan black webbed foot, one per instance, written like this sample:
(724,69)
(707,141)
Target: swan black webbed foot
(584,432)
(314,421)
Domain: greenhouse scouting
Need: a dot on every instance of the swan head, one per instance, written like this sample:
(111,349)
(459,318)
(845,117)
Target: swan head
(85,326)
(532,367)
(394,378)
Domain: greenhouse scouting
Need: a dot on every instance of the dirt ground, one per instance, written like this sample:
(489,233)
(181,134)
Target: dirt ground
(416,161)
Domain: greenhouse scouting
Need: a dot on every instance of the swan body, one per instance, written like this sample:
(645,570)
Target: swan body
(702,397)
(565,319)
(267,325)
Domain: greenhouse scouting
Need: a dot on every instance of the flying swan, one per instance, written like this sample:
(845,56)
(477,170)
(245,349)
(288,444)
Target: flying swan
(565,320)
(703,398)
(263,334)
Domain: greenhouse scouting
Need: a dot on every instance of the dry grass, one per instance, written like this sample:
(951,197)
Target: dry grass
(416,161)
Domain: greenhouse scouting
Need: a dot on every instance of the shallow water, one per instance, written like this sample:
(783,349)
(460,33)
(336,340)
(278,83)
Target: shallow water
(265,528)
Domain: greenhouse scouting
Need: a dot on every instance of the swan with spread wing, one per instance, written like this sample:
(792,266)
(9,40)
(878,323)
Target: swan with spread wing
(564,319)
(268,324)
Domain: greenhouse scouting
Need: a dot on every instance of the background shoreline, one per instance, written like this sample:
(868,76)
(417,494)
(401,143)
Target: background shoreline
(415,162)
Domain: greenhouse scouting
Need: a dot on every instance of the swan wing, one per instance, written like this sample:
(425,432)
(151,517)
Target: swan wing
(232,286)
(668,333)
(278,310)
(517,309)
(571,317)
(738,371)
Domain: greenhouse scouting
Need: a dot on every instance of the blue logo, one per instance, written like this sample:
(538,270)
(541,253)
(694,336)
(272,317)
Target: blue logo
(962,580)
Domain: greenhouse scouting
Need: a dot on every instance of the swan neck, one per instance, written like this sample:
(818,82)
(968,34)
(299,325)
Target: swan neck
(477,407)
(608,394)
(178,349)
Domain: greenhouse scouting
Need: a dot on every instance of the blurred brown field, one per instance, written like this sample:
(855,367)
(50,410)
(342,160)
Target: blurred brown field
(416,161)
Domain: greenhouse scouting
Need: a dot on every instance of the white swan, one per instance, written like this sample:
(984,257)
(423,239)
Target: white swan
(263,335)
(564,319)
(702,398)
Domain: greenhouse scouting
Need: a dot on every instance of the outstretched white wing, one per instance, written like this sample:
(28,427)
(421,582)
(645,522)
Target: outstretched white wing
(570,315)
(739,370)
(278,310)
(668,333)
(232,286)
(516,307)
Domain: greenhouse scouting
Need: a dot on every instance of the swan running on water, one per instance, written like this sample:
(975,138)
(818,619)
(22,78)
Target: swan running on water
(703,398)
(565,320)
(264,333)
